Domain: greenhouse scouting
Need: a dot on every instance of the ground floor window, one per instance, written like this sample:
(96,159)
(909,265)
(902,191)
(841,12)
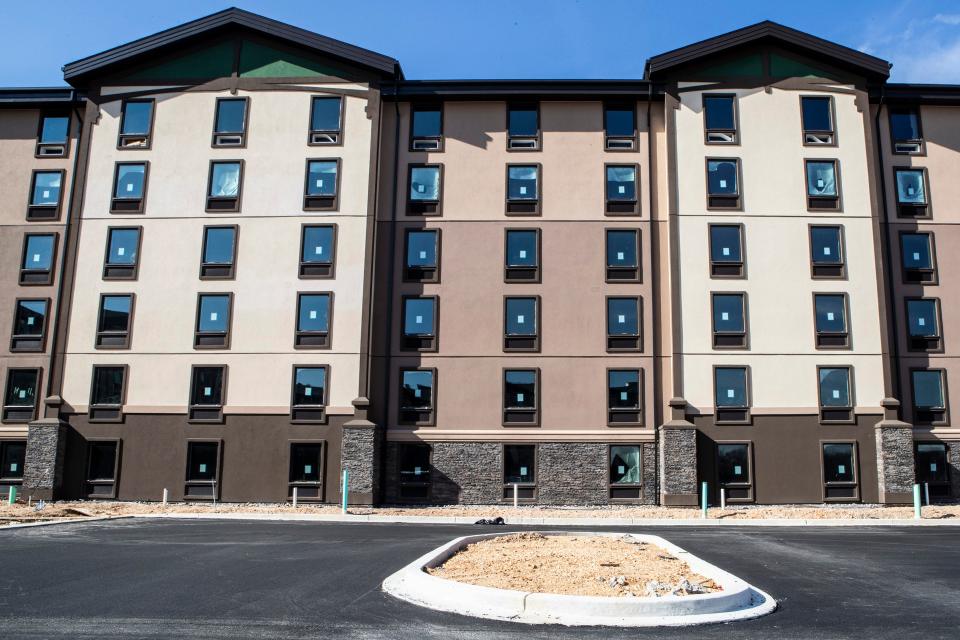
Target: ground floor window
(519,471)
(102,459)
(625,478)
(414,471)
(840,481)
(203,470)
(13,453)
(735,471)
(933,468)
(306,470)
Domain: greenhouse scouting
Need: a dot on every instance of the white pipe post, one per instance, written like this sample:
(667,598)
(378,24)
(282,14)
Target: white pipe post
(166,496)
(723,499)
(515,495)
(926,492)
(295,497)
(213,485)
(916,502)
(703,499)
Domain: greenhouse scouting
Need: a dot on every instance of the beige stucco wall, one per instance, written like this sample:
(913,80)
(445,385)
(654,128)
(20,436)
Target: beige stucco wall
(782,356)
(261,353)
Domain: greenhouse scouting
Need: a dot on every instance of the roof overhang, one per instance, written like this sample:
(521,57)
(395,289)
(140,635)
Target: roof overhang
(520,89)
(24,97)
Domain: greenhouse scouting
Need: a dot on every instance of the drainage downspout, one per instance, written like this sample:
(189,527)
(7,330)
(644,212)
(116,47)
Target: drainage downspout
(655,301)
(888,268)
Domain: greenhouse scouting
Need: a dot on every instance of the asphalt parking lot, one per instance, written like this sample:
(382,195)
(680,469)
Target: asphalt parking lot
(259,579)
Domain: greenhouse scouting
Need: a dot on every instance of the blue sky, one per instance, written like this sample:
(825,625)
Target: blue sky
(497,38)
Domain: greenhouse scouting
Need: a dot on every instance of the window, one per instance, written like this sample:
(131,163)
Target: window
(623,397)
(523,127)
(623,324)
(823,184)
(726,251)
(309,399)
(29,325)
(519,468)
(203,470)
(13,453)
(425,189)
(106,394)
(426,128)
(218,254)
(917,255)
(623,255)
(213,321)
(933,467)
(521,320)
(20,396)
(523,190)
(101,475)
(625,477)
(836,396)
(129,187)
(731,395)
(419,323)
(923,324)
(735,471)
(905,131)
(314,312)
(729,320)
(723,183)
(817,115)
(830,312)
(207,393)
(521,397)
(46,189)
(53,135)
(230,122)
(306,471)
(114,321)
(522,252)
(414,471)
(326,120)
(826,252)
(417,396)
(317,250)
(36,265)
(322,185)
(720,119)
(839,471)
(622,196)
(136,125)
(123,251)
(929,397)
(620,127)
(911,193)
(422,255)
(226,185)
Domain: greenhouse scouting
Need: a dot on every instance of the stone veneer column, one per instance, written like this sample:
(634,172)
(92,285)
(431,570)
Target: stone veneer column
(360,456)
(43,466)
(678,458)
(895,472)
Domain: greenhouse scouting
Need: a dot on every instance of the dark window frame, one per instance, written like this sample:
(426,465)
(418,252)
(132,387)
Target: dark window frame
(835,414)
(936,487)
(321,202)
(423,343)
(748,486)
(520,416)
(526,491)
(38,277)
(932,416)
(421,274)
(809,136)
(831,270)
(309,413)
(524,206)
(425,207)
(114,339)
(7,480)
(414,416)
(218,140)
(307,490)
(724,202)
(730,415)
(823,203)
(122,271)
(26,342)
(853,487)
(196,489)
(206,340)
(734,133)
(412,491)
(318,270)
(833,340)
(219,270)
(16,414)
(207,413)
(523,342)
(519,273)
(924,344)
(625,416)
(617,274)
(326,137)
(56,149)
(100,412)
(612,143)
(621,207)
(920,143)
(621,342)
(905,273)
(224,204)
(537,139)
(91,485)
(313,339)
(912,210)
(129,205)
(45,212)
(627,492)
(432,144)
(727,270)
(126,141)
(730,340)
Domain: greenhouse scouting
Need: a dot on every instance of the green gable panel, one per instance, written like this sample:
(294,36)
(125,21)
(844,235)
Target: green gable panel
(212,62)
(784,67)
(262,61)
(746,67)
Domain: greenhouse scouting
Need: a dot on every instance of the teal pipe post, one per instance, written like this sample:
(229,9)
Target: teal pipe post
(703,498)
(12,496)
(916,502)
(346,490)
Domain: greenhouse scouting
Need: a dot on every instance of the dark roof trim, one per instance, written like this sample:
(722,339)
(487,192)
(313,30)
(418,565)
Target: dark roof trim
(936,94)
(75,71)
(846,56)
(38,96)
(540,89)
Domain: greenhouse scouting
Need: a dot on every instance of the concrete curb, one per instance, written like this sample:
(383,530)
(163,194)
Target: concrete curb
(45,523)
(738,600)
